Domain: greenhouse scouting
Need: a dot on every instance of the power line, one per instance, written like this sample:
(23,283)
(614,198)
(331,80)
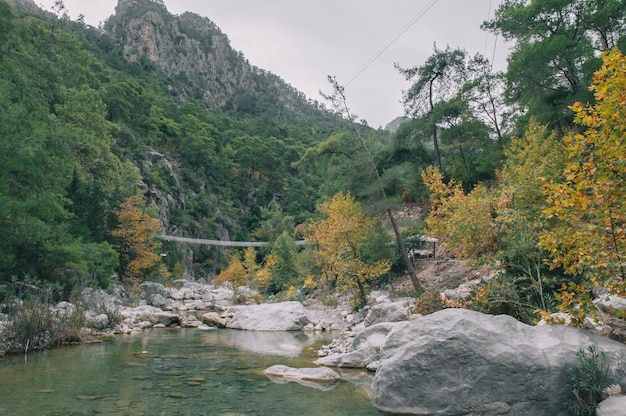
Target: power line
(493,54)
(495,41)
(487,33)
(391,41)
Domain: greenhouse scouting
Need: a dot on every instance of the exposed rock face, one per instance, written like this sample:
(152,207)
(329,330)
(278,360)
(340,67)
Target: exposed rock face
(611,307)
(193,48)
(284,316)
(460,362)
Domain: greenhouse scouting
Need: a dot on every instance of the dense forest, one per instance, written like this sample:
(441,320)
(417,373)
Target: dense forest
(106,143)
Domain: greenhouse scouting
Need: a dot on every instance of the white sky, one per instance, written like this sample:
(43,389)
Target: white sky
(304,41)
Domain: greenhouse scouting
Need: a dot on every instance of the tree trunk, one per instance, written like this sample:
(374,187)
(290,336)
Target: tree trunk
(339,96)
(436,143)
(405,255)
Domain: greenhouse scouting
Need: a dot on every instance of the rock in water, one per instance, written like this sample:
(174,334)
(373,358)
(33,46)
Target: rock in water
(460,362)
(283,316)
(320,378)
(322,374)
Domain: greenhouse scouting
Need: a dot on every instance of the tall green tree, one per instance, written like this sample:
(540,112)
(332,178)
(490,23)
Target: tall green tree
(284,253)
(471,155)
(555,49)
(438,79)
(274,222)
(99,180)
(484,94)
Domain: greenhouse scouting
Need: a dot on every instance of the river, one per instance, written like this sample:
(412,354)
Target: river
(178,372)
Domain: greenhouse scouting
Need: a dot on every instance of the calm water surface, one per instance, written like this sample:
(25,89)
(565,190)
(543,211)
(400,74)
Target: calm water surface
(178,372)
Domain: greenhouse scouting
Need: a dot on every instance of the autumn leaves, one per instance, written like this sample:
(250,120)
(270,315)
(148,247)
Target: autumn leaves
(559,205)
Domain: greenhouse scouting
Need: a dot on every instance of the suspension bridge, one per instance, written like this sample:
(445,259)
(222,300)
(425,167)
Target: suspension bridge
(223,243)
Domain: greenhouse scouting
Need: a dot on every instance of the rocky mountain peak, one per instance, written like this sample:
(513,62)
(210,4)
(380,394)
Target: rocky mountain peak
(124,4)
(193,49)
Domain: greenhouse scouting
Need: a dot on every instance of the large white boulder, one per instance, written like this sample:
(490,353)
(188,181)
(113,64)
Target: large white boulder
(283,316)
(613,406)
(460,362)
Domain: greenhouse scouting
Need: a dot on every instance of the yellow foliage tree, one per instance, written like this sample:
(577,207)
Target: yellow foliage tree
(243,269)
(235,273)
(249,263)
(134,239)
(263,276)
(465,224)
(503,222)
(339,239)
(589,205)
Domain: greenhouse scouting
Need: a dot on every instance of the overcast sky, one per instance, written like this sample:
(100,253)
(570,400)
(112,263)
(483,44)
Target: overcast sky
(304,41)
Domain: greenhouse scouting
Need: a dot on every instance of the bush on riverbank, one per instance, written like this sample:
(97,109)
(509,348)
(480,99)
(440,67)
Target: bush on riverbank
(32,322)
(36,325)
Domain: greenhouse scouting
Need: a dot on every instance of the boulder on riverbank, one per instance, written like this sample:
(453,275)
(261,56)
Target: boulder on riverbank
(457,361)
(365,348)
(283,316)
(388,312)
(613,406)
(150,314)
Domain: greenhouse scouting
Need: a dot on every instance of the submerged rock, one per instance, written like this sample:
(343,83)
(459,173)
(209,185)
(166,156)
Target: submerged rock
(312,374)
(462,362)
(320,378)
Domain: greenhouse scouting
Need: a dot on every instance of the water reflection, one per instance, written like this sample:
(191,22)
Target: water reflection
(284,344)
(177,372)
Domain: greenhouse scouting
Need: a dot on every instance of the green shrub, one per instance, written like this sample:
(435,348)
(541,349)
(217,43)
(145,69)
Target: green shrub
(33,325)
(589,380)
(114,315)
(357,301)
(507,295)
(70,327)
(428,302)
(328,298)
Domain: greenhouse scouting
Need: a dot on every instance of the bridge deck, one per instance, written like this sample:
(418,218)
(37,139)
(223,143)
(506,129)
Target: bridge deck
(222,243)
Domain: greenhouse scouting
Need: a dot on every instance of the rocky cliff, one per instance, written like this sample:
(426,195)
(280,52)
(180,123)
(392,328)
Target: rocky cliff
(199,60)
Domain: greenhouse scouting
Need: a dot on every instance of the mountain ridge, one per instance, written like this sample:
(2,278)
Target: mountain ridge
(198,59)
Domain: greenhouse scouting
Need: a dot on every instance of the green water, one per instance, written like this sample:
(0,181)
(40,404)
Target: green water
(177,372)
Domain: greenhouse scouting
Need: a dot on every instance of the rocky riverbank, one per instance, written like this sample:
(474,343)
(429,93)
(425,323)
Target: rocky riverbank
(422,365)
